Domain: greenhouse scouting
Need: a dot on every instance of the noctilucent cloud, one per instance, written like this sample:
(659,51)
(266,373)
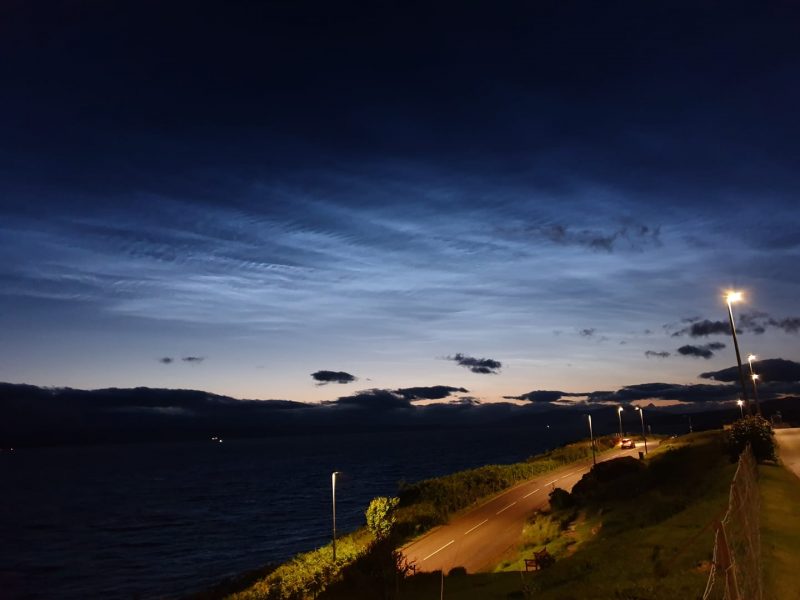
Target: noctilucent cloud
(262,192)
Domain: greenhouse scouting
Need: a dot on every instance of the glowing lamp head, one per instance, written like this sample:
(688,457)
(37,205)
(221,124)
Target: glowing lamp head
(619,409)
(732,297)
(755,376)
(751,357)
(740,402)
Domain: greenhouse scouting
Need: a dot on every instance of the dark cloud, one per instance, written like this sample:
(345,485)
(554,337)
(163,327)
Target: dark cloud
(589,332)
(789,324)
(705,351)
(376,399)
(193,359)
(634,237)
(545,396)
(483,366)
(465,401)
(538,396)
(166,360)
(325,377)
(756,322)
(696,351)
(769,370)
(668,391)
(434,392)
(654,354)
(753,321)
(705,328)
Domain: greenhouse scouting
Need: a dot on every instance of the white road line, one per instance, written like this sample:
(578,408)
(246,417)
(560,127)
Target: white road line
(531,493)
(551,482)
(476,526)
(506,508)
(439,550)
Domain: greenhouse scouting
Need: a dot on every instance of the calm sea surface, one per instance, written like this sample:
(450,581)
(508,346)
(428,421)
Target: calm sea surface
(161,520)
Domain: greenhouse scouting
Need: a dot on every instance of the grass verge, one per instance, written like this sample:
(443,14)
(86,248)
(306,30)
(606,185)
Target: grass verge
(780,531)
(649,535)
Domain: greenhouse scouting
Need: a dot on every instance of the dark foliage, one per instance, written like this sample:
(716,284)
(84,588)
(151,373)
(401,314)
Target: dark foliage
(376,575)
(757,432)
(610,479)
(561,499)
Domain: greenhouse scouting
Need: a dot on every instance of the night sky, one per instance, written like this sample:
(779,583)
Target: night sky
(499,197)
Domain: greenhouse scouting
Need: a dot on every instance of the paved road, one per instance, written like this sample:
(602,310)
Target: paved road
(789,448)
(477,540)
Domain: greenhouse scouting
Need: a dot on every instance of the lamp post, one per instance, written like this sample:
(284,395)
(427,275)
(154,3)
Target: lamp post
(644,437)
(619,414)
(754,377)
(333,501)
(730,298)
(591,437)
(741,410)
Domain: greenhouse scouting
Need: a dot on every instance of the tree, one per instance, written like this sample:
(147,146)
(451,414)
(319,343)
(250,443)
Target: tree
(381,516)
(757,432)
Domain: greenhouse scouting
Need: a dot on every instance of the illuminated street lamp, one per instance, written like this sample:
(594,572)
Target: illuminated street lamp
(591,437)
(730,298)
(644,437)
(754,377)
(333,499)
(741,404)
(619,414)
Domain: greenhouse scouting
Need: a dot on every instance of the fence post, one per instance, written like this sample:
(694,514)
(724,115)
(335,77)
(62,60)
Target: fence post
(725,562)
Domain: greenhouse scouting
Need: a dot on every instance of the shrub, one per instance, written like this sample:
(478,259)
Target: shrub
(610,479)
(757,432)
(561,499)
(381,516)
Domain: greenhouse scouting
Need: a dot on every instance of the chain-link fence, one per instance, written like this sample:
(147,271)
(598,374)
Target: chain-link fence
(736,568)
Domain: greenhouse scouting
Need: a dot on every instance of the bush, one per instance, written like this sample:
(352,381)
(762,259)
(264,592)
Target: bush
(611,479)
(757,432)
(381,516)
(561,499)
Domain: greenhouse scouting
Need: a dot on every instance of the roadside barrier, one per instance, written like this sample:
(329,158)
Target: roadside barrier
(736,567)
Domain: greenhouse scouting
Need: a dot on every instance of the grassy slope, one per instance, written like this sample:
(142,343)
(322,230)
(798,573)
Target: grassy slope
(653,543)
(780,532)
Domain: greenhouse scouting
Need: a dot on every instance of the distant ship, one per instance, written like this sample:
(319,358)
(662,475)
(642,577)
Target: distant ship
(216,439)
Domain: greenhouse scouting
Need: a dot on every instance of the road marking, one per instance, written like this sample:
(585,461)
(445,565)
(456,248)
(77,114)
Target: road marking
(551,482)
(476,526)
(439,550)
(506,508)
(531,493)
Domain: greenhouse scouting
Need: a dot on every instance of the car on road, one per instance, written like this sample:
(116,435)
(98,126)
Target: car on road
(627,443)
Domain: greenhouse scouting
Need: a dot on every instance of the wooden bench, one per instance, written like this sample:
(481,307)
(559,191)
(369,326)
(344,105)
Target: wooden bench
(539,561)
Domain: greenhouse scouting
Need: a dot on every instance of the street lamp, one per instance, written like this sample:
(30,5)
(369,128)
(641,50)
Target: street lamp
(754,377)
(730,298)
(333,499)
(741,410)
(591,437)
(619,414)
(641,417)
